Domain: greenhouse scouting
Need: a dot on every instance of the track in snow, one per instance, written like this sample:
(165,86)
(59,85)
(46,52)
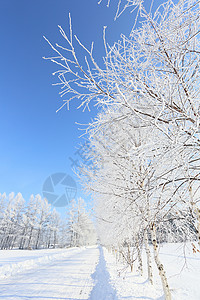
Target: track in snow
(68,278)
(102,289)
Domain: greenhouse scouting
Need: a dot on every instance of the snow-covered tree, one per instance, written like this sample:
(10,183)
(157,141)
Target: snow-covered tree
(81,228)
(11,222)
(148,129)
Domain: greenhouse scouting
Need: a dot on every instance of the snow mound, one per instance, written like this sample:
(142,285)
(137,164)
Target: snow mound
(14,268)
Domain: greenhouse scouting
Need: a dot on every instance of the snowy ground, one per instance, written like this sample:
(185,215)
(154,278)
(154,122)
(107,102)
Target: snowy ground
(17,261)
(15,256)
(91,273)
(183,271)
(67,277)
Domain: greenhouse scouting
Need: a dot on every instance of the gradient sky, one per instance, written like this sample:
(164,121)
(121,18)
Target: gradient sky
(35,140)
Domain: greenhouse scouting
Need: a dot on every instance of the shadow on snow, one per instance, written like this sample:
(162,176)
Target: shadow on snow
(102,290)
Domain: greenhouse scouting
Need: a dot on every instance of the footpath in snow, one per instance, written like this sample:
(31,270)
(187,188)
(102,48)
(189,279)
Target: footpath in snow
(102,287)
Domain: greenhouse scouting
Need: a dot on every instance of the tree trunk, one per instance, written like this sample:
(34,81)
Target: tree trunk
(37,240)
(49,240)
(30,236)
(197,212)
(129,260)
(13,242)
(21,245)
(139,256)
(159,264)
(148,253)
(55,238)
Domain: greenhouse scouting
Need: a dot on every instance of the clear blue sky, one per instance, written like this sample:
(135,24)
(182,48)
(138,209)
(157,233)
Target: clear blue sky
(35,140)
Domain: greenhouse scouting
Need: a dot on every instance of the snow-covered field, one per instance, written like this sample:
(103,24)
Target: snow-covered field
(15,256)
(17,261)
(92,273)
(182,268)
(66,277)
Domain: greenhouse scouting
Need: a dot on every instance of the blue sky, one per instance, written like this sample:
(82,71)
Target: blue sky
(35,140)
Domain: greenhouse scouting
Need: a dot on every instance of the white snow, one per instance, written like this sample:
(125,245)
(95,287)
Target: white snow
(17,261)
(92,273)
(183,271)
(14,256)
(67,277)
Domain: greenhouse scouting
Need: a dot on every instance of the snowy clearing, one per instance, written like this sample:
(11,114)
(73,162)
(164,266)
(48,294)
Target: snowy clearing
(92,273)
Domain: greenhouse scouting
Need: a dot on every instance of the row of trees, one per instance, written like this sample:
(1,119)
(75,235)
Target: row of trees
(81,230)
(145,141)
(36,225)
